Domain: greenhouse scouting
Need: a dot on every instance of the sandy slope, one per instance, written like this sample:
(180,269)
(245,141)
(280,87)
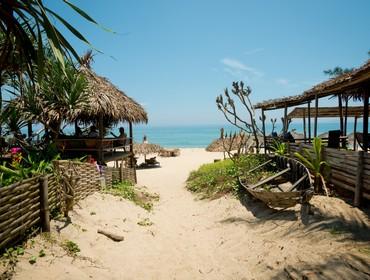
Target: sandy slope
(191,239)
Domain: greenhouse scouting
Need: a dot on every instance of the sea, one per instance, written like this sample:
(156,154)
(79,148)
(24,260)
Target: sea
(200,136)
(191,136)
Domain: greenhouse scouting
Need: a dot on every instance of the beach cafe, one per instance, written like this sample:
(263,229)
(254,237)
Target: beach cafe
(350,169)
(107,106)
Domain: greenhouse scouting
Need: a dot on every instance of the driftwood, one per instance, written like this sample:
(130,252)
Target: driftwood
(112,236)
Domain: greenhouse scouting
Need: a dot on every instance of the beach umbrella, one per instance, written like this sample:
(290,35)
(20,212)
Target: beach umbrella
(146,148)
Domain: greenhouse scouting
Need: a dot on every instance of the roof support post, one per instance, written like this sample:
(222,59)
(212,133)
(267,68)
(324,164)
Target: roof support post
(264,130)
(131,145)
(316,114)
(309,121)
(304,125)
(340,106)
(354,134)
(100,140)
(345,116)
(285,124)
(365,129)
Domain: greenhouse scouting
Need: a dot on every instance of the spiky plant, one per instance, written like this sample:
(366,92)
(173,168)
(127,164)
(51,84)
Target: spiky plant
(315,164)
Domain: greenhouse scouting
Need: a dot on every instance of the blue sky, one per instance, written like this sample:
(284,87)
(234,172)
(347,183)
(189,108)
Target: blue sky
(175,57)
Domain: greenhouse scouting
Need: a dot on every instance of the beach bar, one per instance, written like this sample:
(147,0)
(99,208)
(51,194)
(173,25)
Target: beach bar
(350,170)
(107,106)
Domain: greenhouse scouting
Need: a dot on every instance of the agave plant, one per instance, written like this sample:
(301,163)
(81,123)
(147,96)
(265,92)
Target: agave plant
(315,164)
(279,148)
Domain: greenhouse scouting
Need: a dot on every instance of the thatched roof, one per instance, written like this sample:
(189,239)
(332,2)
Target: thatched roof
(146,148)
(326,112)
(108,101)
(351,83)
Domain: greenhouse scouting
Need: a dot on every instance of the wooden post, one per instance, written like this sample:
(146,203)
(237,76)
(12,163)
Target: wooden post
(101,136)
(359,179)
(285,124)
(304,125)
(354,134)
(365,129)
(309,121)
(131,145)
(345,116)
(121,172)
(264,129)
(44,204)
(316,114)
(340,106)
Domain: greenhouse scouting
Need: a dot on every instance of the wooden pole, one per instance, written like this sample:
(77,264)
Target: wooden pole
(285,124)
(354,134)
(340,106)
(44,204)
(359,179)
(101,136)
(345,116)
(131,145)
(264,130)
(365,129)
(309,121)
(316,114)
(304,125)
(29,129)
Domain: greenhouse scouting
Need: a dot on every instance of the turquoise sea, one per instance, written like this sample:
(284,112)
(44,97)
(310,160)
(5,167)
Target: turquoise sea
(202,135)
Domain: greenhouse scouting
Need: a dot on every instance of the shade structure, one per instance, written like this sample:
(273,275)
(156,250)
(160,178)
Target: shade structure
(222,145)
(146,148)
(325,112)
(106,101)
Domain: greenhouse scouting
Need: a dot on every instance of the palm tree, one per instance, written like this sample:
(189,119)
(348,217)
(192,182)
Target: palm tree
(25,26)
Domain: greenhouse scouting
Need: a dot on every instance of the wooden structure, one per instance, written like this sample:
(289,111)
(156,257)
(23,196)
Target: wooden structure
(272,193)
(354,85)
(107,105)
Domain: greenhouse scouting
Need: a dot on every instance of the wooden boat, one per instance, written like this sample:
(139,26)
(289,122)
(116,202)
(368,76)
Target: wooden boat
(291,184)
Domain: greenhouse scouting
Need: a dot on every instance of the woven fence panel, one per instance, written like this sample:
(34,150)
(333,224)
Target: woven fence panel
(19,209)
(55,195)
(113,175)
(89,177)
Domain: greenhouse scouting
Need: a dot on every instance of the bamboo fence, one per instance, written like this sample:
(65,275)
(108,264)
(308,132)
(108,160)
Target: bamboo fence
(349,170)
(25,206)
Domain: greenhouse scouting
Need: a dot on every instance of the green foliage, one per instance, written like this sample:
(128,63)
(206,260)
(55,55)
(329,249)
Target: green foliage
(10,256)
(145,222)
(25,168)
(216,179)
(337,71)
(279,148)
(71,248)
(314,163)
(128,191)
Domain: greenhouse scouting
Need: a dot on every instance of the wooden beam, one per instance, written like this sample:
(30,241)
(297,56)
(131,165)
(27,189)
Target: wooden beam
(354,134)
(131,145)
(365,129)
(285,124)
(340,106)
(316,114)
(345,116)
(309,121)
(264,130)
(29,129)
(101,136)
(304,126)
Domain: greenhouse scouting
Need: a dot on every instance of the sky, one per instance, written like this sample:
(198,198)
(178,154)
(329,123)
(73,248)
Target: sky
(174,57)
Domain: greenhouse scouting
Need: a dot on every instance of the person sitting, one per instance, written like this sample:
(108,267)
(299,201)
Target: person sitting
(93,132)
(122,137)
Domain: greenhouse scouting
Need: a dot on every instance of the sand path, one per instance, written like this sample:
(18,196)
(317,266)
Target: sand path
(195,239)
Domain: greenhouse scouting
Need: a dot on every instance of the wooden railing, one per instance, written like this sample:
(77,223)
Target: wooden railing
(349,170)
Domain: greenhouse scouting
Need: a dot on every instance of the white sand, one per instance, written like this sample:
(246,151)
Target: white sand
(192,239)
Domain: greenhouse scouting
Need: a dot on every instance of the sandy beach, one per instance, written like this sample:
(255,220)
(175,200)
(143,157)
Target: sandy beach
(186,238)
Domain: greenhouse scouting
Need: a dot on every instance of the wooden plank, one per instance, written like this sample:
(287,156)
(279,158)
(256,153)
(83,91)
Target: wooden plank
(296,184)
(259,166)
(270,178)
(359,180)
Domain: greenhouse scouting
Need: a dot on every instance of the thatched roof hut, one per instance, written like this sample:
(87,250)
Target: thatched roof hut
(106,101)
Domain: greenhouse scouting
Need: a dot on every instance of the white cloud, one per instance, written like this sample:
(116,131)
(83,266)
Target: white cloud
(282,81)
(254,51)
(238,68)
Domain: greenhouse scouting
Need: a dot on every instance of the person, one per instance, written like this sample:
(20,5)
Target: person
(145,140)
(78,132)
(93,132)
(122,136)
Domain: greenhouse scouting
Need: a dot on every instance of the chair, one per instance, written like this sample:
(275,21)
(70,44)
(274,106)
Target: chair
(334,139)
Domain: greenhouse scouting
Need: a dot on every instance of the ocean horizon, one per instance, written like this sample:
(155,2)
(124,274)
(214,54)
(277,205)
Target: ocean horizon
(200,136)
